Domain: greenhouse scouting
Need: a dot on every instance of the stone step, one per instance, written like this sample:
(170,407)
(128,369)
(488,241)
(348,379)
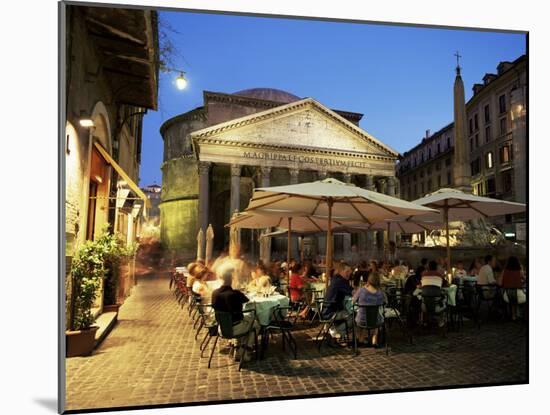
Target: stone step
(106,322)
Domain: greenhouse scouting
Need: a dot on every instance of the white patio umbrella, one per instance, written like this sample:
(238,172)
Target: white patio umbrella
(455,205)
(200,244)
(329,198)
(401,225)
(209,243)
(290,220)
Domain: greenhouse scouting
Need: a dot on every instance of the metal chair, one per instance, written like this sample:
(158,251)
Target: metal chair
(487,294)
(394,309)
(466,303)
(225,322)
(281,323)
(374,319)
(315,295)
(433,304)
(327,321)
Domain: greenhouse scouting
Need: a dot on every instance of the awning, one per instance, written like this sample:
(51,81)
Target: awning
(135,188)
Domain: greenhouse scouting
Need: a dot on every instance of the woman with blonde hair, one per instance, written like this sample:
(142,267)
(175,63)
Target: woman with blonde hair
(370,295)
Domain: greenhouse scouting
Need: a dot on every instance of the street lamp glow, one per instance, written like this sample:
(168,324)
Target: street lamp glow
(86,122)
(181,82)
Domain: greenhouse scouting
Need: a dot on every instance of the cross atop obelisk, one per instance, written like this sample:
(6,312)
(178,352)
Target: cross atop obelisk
(458,56)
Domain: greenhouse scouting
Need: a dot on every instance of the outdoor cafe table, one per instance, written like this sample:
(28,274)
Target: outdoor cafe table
(265,305)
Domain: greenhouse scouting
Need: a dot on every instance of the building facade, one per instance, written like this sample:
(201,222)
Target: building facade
(495,143)
(111,80)
(214,156)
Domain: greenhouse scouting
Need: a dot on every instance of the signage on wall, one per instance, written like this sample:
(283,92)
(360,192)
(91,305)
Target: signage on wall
(300,158)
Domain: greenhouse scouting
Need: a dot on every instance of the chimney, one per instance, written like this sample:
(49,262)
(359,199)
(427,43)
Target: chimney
(427,133)
(477,87)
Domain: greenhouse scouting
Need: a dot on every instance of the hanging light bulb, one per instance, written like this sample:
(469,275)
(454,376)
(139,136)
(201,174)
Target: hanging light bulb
(181,82)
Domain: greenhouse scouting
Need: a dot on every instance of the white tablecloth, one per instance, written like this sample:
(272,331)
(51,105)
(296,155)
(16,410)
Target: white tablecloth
(317,286)
(265,305)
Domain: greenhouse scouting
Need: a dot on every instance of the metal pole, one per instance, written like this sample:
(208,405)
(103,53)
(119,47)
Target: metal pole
(289,240)
(328,270)
(446,219)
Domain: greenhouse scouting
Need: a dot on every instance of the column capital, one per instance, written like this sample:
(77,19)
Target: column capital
(236,170)
(321,174)
(204,167)
(265,170)
(347,177)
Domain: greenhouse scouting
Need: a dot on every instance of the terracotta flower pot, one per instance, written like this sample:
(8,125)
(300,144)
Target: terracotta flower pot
(80,342)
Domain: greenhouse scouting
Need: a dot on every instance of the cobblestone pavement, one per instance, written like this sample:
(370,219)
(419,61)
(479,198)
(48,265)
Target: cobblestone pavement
(151,357)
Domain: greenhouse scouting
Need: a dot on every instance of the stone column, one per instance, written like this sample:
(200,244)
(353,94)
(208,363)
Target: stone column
(347,177)
(321,175)
(369,182)
(204,194)
(294,175)
(235,189)
(265,176)
(265,243)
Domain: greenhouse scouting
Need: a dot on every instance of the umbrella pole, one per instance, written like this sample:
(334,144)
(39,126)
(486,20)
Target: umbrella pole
(289,240)
(302,249)
(328,271)
(446,219)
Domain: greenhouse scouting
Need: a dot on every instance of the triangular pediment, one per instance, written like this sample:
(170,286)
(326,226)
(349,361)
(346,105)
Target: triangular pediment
(305,123)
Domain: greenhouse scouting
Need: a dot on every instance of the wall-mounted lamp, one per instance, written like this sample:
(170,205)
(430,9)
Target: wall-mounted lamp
(85,120)
(181,81)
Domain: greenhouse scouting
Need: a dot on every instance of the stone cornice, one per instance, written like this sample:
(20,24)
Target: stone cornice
(198,113)
(239,99)
(311,150)
(288,108)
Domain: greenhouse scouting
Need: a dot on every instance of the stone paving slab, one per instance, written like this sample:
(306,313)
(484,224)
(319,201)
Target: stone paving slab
(151,357)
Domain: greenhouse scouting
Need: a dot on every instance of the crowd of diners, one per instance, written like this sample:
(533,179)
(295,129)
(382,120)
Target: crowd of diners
(363,282)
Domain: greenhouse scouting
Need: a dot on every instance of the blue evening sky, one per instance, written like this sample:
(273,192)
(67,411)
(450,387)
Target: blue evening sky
(400,78)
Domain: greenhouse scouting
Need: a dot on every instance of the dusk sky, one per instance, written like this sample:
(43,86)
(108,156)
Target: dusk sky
(400,78)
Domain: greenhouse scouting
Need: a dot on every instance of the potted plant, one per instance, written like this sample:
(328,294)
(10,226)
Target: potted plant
(87,271)
(116,256)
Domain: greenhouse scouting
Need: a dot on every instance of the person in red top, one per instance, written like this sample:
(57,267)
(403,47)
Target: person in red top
(512,275)
(296,286)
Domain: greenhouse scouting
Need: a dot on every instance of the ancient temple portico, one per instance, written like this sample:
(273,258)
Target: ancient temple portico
(294,142)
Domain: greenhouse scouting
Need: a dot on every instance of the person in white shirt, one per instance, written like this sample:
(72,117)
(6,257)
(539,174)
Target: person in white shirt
(486,275)
(460,272)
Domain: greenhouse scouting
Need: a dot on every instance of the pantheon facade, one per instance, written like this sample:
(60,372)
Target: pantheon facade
(214,156)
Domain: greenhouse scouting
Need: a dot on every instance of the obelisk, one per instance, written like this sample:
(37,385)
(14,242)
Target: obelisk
(461,168)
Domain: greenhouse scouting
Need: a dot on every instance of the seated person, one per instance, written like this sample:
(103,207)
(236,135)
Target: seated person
(512,278)
(486,277)
(191,269)
(338,289)
(431,284)
(229,300)
(460,272)
(433,277)
(199,285)
(369,294)
(360,275)
(259,272)
(400,270)
(512,275)
(296,285)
